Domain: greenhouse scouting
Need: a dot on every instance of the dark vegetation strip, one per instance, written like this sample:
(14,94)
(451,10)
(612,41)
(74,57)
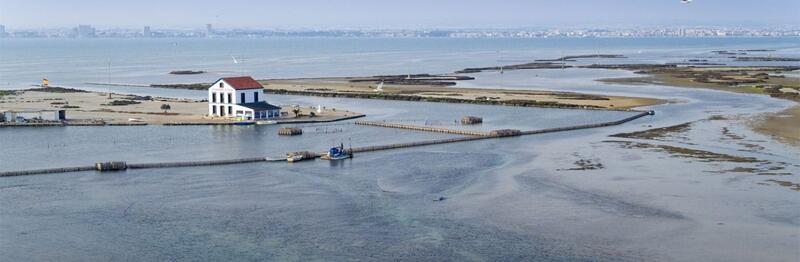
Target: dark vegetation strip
(415,98)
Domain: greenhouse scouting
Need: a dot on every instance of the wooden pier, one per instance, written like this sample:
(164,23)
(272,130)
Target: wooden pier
(422,128)
(415,144)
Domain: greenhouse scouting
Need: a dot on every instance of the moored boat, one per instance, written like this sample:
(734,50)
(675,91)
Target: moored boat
(337,153)
(300,156)
(294,158)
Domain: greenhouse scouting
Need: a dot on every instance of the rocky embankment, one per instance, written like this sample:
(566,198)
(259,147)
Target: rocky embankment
(532,65)
(573,58)
(557,63)
(186,72)
(415,79)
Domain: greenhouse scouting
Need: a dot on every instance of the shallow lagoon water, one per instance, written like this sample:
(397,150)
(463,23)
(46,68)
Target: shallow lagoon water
(311,210)
(505,199)
(71,146)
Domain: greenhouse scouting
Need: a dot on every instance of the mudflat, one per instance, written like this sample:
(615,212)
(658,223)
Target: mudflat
(751,79)
(434,93)
(784,125)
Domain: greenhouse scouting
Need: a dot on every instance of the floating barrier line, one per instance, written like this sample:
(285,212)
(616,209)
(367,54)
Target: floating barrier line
(47,171)
(198,163)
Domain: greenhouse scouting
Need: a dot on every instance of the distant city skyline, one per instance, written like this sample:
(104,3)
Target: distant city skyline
(28,14)
(89,31)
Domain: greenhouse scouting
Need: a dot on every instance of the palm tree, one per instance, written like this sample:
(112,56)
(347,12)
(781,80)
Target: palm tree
(296,111)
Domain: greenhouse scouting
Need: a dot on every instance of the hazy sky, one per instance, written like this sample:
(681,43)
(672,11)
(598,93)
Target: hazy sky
(396,14)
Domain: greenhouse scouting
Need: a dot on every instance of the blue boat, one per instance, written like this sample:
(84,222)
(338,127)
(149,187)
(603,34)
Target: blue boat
(337,153)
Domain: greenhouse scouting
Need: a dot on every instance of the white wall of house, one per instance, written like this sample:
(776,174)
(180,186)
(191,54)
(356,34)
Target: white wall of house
(249,95)
(223,100)
(218,98)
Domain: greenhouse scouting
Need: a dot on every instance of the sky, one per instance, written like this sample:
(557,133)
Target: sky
(410,14)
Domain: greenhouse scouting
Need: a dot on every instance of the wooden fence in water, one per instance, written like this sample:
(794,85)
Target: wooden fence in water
(421,128)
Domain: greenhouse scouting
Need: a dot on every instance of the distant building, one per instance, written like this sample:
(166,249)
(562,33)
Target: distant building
(2,31)
(85,31)
(209,30)
(21,116)
(240,97)
(146,32)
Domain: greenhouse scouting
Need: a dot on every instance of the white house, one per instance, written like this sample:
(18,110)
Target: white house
(240,97)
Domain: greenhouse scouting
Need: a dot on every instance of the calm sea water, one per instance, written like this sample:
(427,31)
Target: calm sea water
(506,199)
(145,61)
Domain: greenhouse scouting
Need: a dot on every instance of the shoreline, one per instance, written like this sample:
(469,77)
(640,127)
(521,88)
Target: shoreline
(84,108)
(103,123)
(783,126)
(437,88)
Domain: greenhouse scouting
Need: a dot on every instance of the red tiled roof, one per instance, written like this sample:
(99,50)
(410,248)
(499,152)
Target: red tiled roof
(242,82)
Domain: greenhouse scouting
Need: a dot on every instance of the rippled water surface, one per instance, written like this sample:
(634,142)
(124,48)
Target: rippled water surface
(517,198)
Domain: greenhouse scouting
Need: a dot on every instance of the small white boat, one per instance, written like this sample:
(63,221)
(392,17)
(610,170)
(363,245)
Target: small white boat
(299,156)
(267,122)
(135,120)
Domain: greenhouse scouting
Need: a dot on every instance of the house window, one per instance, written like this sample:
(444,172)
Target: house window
(213,110)
(221,111)
(243,99)
(255,97)
(220,85)
(221,100)
(213,98)
(230,110)
(230,98)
